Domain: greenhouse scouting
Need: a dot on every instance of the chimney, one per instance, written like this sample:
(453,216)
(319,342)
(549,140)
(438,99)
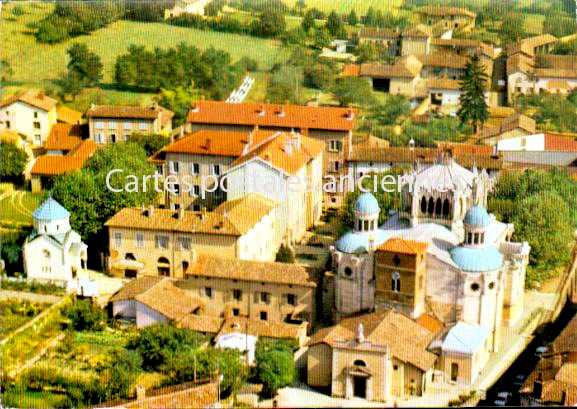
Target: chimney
(194,107)
(151,211)
(280,111)
(41,95)
(350,114)
(140,393)
(261,110)
(208,144)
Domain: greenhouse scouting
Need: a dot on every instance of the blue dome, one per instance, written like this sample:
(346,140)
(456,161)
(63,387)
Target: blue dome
(477,216)
(50,210)
(355,243)
(367,203)
(477,259)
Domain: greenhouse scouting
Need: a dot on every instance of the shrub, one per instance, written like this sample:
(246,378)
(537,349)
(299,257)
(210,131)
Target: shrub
(285,255)
(85,316)
(247,64)
(275,369)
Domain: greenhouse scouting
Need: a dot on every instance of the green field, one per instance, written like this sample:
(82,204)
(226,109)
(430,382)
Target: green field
(16,209)
(33,62)
(345,6)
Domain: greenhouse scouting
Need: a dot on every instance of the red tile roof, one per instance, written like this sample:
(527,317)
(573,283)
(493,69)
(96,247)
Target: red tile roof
(402,246)
(64,137)
(32,98)
(559,143)
(351,70)
(128,111)
(68,115)
(52,165)
(277,115)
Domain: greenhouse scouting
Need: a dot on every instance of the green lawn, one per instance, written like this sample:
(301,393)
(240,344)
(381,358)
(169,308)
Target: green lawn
(15,313)
(17,209)
(32,399)
(33,62)
(534,23)
(360,6)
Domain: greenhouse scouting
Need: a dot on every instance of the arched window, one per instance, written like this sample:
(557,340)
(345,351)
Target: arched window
(423,205)
(130,256)
(359,362)
(476,238)
(469,238)
(163,267)
(438,208)
(396,282)
(446,208)
(431,208)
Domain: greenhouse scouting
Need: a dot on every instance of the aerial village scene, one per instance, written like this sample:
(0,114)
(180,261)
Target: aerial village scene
(288,203)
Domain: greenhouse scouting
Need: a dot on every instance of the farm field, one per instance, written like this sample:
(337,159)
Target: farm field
(33,62)
(16,313)
(16,208)
(360,6)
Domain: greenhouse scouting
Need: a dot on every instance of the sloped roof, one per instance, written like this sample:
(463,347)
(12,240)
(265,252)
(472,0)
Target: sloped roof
(429,322)
(169,300)
(445,11)
(514,121)
(52,165)
(201,323)
(485,48)
(68,115)
(406,67)
(402,246)
(32,98)
(566,341)
(560,143)
(50,209)
(464,338)
(64,137)
(247,270)
(351,70)
(128,111)
(135,287)
(280,150)
(246,211)
(444,60)
(268,329)
(277,115)
(406,340)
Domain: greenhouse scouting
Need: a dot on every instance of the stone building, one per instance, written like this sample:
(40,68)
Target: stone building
(448,18)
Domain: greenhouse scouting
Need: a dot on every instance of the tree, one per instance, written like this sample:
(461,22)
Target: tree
(512,28)
(352,90)
(321,38)
(335,25)
(275,369)
(352,18)
(284,84)
(270,23)
(6,71)
(387,112)
(12,162)
(308,21)
(285,255)
(85,64)
(300,5)
(151,143)
(85,316)
(559,25)
(70,85)
(178,100)
(473,107)
(320,76)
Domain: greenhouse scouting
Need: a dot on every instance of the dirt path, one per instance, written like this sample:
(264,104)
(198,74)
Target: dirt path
(32,297)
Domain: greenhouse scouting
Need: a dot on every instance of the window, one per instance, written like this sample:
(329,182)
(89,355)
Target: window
(174,166)
(334,166)
(195,191)
(176,189)
(454,371)
(118,239)
(126,136)
(196,208)
(396,282)
(235,312)
(335,146)
(46,253)
(161,242)
(143,126)
(140,240)
(291,299)
(475,287)
(348,271)
(195,168)
(491,285)
(113,138)
(396,260)
(99,125)
(127,125)
(99,138)
(237,294)
(184,243)
(264,298)
(8,124)
(112,125)
(216,170)
(263,315)
(36,125)
(208,292)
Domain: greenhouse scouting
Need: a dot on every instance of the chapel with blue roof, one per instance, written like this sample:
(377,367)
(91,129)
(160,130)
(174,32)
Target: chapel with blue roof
(440,253)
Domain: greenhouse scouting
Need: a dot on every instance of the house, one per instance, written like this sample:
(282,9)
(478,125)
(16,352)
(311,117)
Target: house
(331,125)
(53,252)
(115,123)
(195,7)
(149,241)
(410,41)
(237,340)
(66,151)
(285,168)
(30,113)
(447,17)
(514,126)
(539,142)
(400,78)
(379,356)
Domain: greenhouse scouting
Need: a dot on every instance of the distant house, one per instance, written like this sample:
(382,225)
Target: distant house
(115,123)
(30,113)
(513,126)
(447,17)
(53,252)
(66,151)
(196,7)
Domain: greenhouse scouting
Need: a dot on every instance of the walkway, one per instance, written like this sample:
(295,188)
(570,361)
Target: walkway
(32,297)
(239,94)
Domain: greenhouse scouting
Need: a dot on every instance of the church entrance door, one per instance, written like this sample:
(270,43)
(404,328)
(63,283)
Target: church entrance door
(360,386)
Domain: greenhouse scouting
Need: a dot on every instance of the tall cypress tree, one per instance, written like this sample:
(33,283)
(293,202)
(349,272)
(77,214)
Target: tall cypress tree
(473,106)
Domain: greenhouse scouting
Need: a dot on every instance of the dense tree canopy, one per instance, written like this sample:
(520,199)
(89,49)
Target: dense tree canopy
(270,23)
(12,162)
(473,108)
(275,367)
(353,90)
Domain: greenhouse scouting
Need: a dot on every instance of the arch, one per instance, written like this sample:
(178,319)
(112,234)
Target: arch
(446,208)
(424,205)
(359,362)
(438,208)
(396,282)
(431,208)
(130,256)
(163,267)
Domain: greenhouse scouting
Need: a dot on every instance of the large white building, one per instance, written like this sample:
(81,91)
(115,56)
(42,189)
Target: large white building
(54,252)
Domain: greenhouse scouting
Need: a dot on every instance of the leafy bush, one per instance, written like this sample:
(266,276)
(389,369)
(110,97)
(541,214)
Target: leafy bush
(275,369)
(285,255)
(85,316)
(151,143)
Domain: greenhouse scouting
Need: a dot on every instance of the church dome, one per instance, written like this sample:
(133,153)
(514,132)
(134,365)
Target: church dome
(477,216)
(367,203)
(356,243)
(477,259)
(50,210)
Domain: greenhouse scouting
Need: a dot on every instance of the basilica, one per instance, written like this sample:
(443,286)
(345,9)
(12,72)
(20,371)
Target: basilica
(440,254)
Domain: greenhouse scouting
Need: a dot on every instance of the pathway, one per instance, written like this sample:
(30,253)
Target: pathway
(32,297)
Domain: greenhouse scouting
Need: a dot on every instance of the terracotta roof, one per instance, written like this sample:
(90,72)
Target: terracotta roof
(68,115)
(380,33)
(515,121)
(406,340)
(201,323)
(351,70)
(280,150)
(396,245)
(246,211)
(566,341)
(444,83)
(406,67)
(33,98)
(558,85)
(129,111)
(485,48)
(167,220)
(260,328)
(198,396)
(169,300)
(556,73)
(465,148)
(557,379)
(52,165)
(64,137)
(253,271)
(429,322)
(501,112)
(528,45)
(446,11)
(277,115)
(520,63)
(214,143)
(560,143)
(135,287)
(444,60)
